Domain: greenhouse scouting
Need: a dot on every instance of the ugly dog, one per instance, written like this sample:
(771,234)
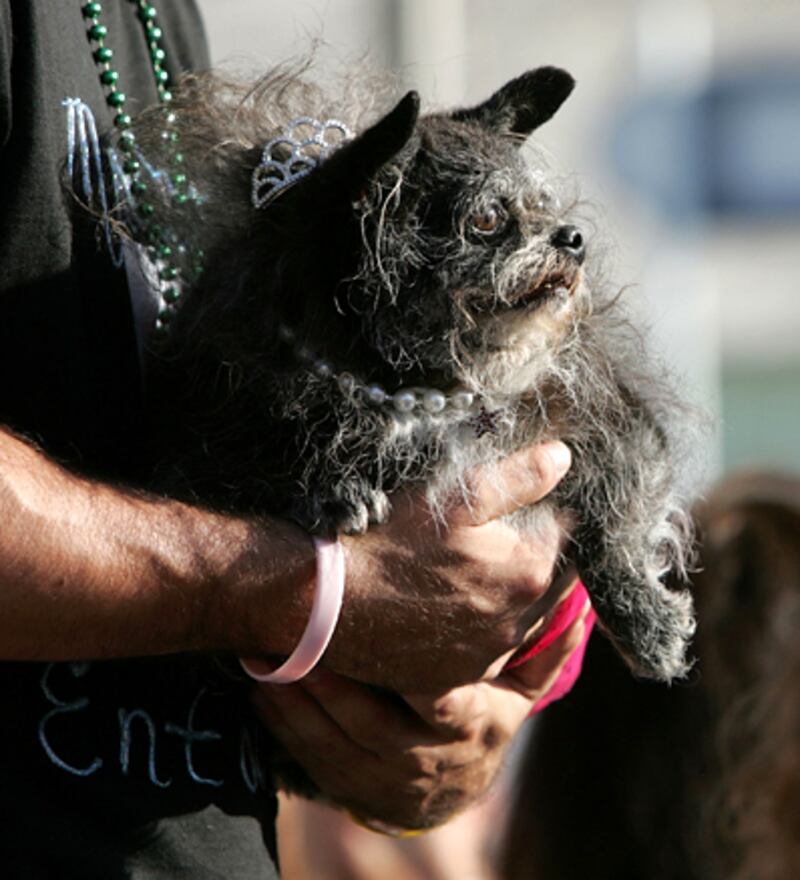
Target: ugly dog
(415,303)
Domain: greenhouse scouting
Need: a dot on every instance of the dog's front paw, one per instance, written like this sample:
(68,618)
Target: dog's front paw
(372,510)
(355,521)
(349,514)
(379,507)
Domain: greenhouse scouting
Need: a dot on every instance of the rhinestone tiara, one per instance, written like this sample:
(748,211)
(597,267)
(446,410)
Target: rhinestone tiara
(309,142)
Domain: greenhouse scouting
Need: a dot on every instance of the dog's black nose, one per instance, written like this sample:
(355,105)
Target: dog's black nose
(569,239)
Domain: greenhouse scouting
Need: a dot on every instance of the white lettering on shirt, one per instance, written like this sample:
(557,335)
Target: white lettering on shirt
(130,723)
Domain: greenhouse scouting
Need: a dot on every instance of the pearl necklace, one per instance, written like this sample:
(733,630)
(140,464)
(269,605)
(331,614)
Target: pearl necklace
(176,264)
(405,401)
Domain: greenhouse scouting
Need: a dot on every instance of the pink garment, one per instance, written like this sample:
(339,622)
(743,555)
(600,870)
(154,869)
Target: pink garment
(564,615)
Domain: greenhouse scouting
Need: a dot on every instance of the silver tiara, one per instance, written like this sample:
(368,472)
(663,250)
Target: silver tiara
(309,141)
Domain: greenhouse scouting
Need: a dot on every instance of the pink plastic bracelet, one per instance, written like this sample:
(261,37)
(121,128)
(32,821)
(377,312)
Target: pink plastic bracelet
(321,623)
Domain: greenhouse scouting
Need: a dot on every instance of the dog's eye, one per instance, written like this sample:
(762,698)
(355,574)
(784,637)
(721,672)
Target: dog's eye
(488,221)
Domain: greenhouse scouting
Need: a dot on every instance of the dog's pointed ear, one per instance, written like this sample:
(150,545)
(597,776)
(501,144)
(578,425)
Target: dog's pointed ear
(523,104)
(351,167)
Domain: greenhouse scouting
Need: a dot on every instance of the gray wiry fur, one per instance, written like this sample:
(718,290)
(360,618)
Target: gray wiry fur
(379,263)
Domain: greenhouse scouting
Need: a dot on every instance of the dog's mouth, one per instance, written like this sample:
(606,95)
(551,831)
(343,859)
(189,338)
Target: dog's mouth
(555,286)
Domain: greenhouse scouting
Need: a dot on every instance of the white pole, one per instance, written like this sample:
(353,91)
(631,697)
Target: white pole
(429,39)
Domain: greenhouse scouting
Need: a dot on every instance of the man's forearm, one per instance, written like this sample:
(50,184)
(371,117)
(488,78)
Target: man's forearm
(88,570)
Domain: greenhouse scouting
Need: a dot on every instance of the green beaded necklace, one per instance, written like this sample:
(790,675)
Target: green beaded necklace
(162,246)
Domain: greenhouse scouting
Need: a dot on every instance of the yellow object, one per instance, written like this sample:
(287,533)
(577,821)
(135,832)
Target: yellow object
(378,827)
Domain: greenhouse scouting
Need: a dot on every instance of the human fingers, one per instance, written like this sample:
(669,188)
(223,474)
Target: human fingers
(534,678)
(551,615)
(454,713)
(519,480)
(430,763)
(498,707)
(302,726)
(378,720)
(323,759)
(407,788)
(343,770)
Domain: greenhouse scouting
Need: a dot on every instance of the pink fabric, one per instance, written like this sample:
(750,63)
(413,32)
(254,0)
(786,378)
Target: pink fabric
(564,615)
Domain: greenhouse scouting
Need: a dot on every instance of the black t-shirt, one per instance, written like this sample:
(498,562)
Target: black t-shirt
(148,768)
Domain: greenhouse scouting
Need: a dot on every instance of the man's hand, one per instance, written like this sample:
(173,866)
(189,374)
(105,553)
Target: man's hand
(429,606)
(407,763)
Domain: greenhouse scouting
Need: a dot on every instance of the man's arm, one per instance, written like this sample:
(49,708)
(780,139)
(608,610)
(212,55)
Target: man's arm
(90,571)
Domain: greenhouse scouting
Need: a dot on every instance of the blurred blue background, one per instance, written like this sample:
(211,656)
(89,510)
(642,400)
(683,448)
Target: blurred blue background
(685,131)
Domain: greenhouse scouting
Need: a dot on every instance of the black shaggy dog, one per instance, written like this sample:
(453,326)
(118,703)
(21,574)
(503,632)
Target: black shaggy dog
(417,304)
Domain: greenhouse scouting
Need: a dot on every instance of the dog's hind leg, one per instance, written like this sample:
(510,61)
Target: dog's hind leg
(650,624)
